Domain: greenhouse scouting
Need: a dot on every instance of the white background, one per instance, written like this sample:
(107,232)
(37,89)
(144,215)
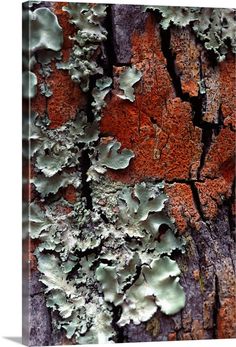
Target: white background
(10,170)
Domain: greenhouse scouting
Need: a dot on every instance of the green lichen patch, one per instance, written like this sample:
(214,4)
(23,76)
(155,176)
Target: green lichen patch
(55,149)
(99,93)
(108,155)
(29,84)
(45,31)
(42,34)
(162,278)
(110,269)
(46,185)
(45,90)
(127,80)
(38,221)
(82,64)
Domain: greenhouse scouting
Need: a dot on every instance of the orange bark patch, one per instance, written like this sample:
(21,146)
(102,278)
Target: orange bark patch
(187,53)
(220,158)
(172,336)
(67,98)
(157,126)
(226,319)
(212,194)
(227,90)
(181,206)
(70,194)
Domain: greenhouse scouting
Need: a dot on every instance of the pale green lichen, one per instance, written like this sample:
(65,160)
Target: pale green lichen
(45,90)
(216,28)
(99,93)
(41,31)
(45,31)
(127,80)
(82,63)
(55,148)
(107,262)
(29,84)
(108,155)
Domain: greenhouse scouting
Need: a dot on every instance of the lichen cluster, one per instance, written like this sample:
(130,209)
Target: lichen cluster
(216,28)
(41,31)
(82,63)
(116,252)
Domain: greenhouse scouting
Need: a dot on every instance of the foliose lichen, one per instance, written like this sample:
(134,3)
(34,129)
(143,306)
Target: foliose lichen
(41,33)
(216,28)
(126,81)
(96,265)
(82,62)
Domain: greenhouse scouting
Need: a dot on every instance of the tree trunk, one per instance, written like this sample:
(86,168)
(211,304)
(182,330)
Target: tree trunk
(178,135)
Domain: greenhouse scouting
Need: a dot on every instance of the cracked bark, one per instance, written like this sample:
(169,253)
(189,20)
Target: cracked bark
(208,266)
(201,198)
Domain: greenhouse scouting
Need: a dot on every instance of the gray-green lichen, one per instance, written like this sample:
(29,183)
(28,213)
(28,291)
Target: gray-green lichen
(96,265)
(126,81)
(45,89)
(99,93)
(41,32)
(216,28)
(29,83)
(82,62)
(45,31)
(108,155)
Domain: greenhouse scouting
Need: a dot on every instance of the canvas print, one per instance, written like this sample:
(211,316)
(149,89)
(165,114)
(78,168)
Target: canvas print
(128,173)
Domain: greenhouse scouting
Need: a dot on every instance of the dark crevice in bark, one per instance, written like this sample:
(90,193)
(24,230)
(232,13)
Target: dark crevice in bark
(104,218)
(229,203)
(117,310)
(197,201)
(216,307)
(206,144)
(86,190)
(198,103)
(89,109)
(110,57)
(165,36)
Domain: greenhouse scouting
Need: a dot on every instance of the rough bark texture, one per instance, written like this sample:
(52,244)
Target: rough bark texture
(180,136)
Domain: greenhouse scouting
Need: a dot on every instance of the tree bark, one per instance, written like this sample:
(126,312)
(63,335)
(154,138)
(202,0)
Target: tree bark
(180,136)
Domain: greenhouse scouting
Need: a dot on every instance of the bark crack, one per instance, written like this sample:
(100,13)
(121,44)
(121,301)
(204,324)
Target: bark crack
(197,201)
(198,103)
(216,307)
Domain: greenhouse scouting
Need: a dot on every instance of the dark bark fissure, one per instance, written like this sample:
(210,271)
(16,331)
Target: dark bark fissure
(197,201)
(206,143)
(229,203)
(85,161)
(216,307)
(165,36)
(198,103)
(110,57)
(117,310)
